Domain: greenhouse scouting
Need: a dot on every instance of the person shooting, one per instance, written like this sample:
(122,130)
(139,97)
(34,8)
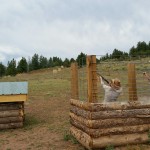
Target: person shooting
(112,89)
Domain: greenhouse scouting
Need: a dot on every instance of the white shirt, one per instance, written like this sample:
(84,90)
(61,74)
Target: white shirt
(111,94)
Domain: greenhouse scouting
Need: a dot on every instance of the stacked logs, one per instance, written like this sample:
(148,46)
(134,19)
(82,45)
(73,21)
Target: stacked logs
(11,115)
(97,125)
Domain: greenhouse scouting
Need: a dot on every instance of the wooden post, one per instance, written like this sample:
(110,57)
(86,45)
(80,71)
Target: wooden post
(74,81)
(132,82)
(92,78)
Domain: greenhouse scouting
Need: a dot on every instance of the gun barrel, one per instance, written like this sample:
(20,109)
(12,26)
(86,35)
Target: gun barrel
(103,78)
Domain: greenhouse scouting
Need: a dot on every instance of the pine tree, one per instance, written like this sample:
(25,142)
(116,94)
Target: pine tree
(50,62)
(66,62)
(35,62)
(81,59)
(2,70)
(11,68)
(43,62)
(22,65)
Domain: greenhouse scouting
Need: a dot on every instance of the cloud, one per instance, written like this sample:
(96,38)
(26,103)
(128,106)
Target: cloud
(65,28)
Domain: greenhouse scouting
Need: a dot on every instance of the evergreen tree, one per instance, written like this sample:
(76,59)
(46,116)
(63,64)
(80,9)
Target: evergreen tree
(2,69)
(57,61)
(81,59)
(50,62)
(117,54)
(72,60)
(43,62)
(125,55)
(35,62)
(22,65)
(11,68)
(66,62)
(60,61)
(132,51)
(149,46)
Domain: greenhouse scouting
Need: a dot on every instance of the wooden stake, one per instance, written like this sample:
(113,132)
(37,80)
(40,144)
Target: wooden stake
(74,81)
(132,82)
(92,78)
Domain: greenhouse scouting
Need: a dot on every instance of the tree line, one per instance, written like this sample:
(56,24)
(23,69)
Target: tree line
(142,49)
(35,63)
(39,62)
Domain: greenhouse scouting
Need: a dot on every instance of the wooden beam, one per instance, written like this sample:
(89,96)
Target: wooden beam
(103,141)
(129,113)
(118,140)
(108,123)
(132,82)
(11,113)
(112,130)
(74,81)
(13,98)
(10,106)
(92,78)
(11,125)
(7,120)
(109,106)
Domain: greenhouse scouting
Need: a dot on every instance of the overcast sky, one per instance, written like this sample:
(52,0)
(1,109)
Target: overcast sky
(64,28)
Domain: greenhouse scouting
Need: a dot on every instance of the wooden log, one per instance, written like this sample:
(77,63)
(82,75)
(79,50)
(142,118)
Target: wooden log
(110,113)
(80,126)
(110,106)
(10,103)
(82,120)
(11,113)
(11,125)
(132,113)
(81,137)
(80,112)
(11,120)
(10,107)
(95,133)
(119,140)
(107,123)
(81,104)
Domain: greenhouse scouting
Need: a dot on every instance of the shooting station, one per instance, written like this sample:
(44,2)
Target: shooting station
(12,98)
(96,124)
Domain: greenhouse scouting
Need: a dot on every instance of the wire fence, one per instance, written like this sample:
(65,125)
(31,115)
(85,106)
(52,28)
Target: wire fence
(116,68)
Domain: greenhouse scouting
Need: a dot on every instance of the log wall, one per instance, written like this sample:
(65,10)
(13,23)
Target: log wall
(11,115)
(97,125)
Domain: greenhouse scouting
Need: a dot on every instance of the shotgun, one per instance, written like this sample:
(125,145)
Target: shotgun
(103,78)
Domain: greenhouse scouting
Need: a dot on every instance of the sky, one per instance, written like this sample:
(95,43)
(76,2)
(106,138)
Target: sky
(65,28)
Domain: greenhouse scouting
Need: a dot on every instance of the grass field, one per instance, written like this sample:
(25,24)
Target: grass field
(47,115)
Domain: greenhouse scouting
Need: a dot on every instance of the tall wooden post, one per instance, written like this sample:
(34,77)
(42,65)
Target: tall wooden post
(74,81)
(92,78)
(132,82)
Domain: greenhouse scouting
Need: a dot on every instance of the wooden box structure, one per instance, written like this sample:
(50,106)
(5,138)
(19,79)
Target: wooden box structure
(12,98)
(97,125)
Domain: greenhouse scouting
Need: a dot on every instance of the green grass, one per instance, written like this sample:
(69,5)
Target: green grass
(109,147)
(30,121)
(68,137)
